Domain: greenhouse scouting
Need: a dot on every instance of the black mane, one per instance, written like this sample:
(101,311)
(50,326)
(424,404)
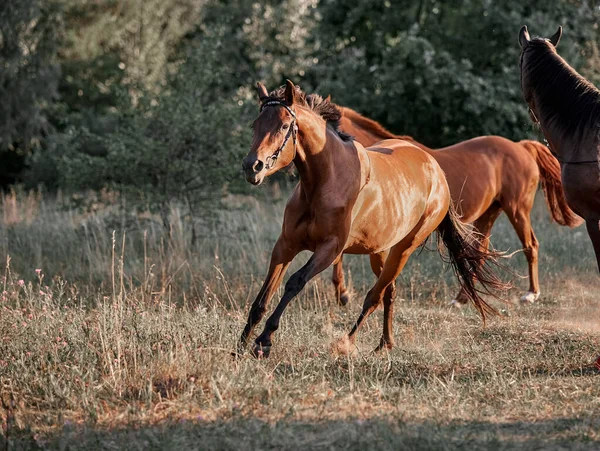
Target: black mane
(562,95)
(324,108)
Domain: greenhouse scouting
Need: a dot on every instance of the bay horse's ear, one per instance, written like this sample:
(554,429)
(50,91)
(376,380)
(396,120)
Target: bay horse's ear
(290,92)
(328,99)
(262,91)
(524,37)
(555,38)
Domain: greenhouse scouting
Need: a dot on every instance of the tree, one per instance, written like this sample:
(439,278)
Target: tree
(186,144)
(29,38)
(442,71)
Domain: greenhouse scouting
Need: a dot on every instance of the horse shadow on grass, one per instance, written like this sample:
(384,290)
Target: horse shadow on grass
(385,433)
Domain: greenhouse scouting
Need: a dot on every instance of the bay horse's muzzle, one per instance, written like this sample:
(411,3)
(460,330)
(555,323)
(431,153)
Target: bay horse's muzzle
(253,167)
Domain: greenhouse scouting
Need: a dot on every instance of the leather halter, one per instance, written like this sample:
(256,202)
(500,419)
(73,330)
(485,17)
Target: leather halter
(292,132)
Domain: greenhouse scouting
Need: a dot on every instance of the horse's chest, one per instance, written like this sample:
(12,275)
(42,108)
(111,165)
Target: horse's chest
(581,184)
(313,226)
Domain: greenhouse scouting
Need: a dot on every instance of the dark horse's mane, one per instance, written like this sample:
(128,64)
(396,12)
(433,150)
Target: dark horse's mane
(565,97)
(371,125)
(324,108)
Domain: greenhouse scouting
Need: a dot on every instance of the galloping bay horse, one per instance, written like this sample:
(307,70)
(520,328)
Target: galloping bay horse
(486,176)
(567,108)
(384,203)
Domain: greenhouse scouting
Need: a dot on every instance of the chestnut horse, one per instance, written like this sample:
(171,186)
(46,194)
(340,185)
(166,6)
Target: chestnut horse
(486,175)
(567,108)
(384,203)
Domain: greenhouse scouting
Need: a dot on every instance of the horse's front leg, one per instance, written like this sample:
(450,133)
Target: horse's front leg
(281,257)
(593,229)
(341,293)
(325,254)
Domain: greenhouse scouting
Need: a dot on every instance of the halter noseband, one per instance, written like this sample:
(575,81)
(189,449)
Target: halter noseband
(292,132)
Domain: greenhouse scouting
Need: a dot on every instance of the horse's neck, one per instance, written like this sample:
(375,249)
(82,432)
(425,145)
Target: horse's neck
(570,142)
(328,163)
(577,145)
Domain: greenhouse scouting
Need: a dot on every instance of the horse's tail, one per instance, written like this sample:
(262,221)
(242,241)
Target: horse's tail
(470,261)
(551,184)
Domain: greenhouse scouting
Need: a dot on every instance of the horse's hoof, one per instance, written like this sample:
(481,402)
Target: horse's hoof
(343,346)
(530,297)
(383,346)
(456,303)
(344,299)
(261,351)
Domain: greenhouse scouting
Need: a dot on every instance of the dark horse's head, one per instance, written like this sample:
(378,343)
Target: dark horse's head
(276,139)
(531,50)
(275,133)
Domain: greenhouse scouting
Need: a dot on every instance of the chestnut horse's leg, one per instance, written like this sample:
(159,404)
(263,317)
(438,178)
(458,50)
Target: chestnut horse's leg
(593,229)
(281,257)
(394,263)
(483,225)
(323,257)
(520,220)
(337,278)
(387,340)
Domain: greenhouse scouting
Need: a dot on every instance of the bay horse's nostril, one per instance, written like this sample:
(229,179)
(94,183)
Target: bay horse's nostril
(257,166)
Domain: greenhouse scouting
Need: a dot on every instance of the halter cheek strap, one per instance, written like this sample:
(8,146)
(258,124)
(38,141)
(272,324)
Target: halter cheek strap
(292,132)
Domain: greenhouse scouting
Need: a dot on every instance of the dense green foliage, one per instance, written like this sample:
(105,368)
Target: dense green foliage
(28,78)
(154,98)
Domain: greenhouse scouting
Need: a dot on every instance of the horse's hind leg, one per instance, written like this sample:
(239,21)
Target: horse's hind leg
(521,222)
(483,225)
(387,340)
(593,229)
(383,290)
(341,293)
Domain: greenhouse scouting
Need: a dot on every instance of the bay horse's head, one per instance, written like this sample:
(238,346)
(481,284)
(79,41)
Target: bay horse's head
(275,135)
(532,50)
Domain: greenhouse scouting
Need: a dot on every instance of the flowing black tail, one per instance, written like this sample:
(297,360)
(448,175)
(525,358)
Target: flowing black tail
(470,261)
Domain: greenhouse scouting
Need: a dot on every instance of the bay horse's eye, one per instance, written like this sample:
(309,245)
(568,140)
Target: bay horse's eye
(285,126)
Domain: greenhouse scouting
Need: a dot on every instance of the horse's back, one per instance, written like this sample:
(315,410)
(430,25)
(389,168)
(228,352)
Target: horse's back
(405,185)
(485,169)
(393,159)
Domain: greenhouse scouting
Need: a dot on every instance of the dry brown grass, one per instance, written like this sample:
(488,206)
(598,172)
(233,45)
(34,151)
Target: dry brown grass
(123,341)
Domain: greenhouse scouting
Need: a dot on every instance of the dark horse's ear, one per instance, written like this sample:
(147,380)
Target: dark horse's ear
(261,91)
(290,92)
(524,37)
(555,38)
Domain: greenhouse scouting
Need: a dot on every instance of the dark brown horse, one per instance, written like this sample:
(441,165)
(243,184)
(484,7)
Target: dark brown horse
(567,108)
(384,203)
(486,175)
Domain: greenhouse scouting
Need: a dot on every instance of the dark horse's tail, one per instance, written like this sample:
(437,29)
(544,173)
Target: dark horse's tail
(551,184)
(470,261)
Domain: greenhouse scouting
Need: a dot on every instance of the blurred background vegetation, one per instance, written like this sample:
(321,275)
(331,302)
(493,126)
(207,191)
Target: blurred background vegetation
(153,98)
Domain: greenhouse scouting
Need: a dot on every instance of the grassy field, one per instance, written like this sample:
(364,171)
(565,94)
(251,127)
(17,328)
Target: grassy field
(114,336)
